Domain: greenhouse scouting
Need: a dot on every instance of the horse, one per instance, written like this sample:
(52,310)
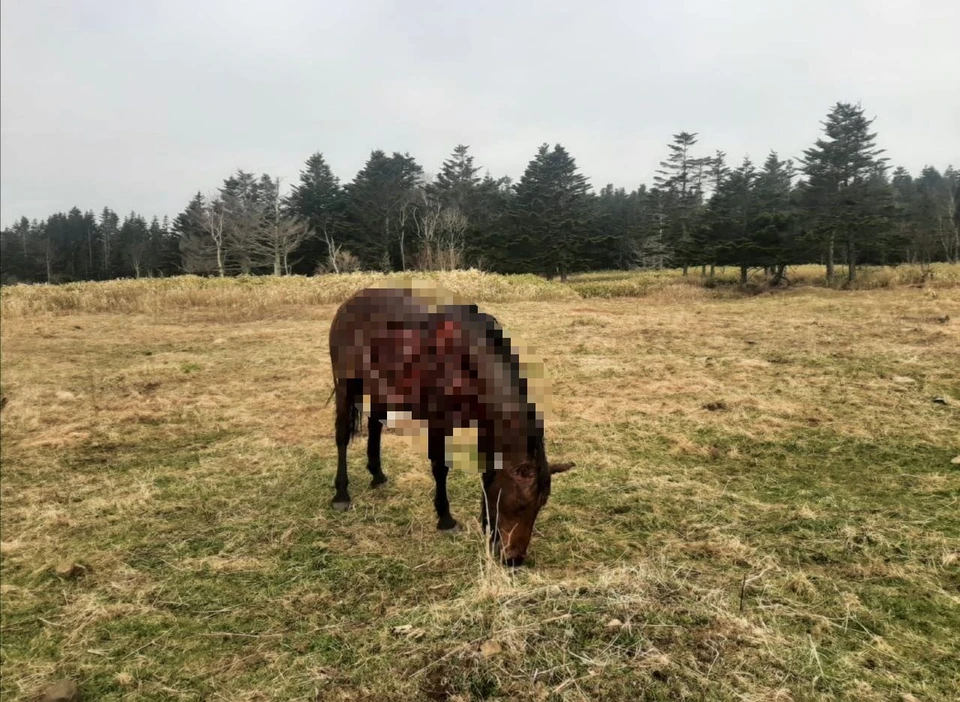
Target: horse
(449,366)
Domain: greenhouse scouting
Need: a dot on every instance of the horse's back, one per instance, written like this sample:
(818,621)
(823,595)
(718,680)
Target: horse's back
(366,320)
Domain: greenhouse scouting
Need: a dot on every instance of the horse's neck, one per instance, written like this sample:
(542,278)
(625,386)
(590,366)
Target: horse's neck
(504,406)
(507,425)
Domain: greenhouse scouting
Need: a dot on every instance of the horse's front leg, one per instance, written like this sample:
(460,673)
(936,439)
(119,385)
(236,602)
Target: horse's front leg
(437,446)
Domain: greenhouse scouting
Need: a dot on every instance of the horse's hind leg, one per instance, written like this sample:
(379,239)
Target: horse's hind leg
(374,429)
(438,462)
(346,425)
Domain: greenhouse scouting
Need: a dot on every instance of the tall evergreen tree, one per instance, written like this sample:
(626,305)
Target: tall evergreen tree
(488,247)
(625,221)
(455,186)
(843,190)
(680,179)
(456,197)
(317,200)
(109,233)
(775,227)
(16,256)
(375,202)
(552,212)
(730,218)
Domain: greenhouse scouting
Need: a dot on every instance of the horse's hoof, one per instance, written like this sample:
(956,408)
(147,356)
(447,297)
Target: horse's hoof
(378,480)
(341,506)
(451,526)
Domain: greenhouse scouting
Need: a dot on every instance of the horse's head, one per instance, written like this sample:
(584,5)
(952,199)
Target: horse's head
(513,497)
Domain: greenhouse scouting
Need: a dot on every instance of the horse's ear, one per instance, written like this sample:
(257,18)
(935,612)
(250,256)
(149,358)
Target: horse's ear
(561,467)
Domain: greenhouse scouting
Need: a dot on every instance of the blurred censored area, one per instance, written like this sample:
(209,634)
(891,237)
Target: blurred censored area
(422,354)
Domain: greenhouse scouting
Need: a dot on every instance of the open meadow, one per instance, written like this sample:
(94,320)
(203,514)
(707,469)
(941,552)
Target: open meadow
(766,503)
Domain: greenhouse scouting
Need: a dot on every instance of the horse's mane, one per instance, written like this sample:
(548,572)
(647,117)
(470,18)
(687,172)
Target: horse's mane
(487,327)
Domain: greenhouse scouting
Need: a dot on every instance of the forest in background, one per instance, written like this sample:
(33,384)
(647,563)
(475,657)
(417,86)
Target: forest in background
(841,204)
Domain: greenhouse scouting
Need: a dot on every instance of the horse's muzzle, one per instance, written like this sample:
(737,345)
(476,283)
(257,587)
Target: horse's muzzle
(509,561)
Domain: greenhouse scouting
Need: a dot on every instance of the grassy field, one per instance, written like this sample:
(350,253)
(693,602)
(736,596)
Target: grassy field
(766,504)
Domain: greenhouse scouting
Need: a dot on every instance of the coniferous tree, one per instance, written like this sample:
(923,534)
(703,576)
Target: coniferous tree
(16,253)
(624,220)
(488,248)
(453,198)
(680,179)
(843,192)
(455,186)
(730,218)
(375,203)
(653,247)
(109,232)
(917,246)
(552,211)
(317,200)
(612,217)
(774,229)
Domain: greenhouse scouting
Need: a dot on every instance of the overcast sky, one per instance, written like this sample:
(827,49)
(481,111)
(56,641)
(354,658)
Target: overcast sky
(138,104)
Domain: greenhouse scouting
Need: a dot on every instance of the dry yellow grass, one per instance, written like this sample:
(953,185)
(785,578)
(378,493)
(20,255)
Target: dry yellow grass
(764,505)
(251,297)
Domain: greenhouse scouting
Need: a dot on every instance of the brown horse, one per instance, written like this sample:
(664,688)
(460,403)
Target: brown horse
(449,366)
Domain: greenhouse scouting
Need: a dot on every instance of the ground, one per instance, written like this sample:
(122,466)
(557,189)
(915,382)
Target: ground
(765,507)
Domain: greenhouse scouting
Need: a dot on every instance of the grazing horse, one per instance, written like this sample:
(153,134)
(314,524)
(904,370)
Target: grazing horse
(450,366)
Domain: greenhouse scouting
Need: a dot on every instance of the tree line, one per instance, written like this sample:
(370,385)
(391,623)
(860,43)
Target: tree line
(839,204)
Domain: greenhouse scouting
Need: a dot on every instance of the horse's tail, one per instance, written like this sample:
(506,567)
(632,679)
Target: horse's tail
(354,417)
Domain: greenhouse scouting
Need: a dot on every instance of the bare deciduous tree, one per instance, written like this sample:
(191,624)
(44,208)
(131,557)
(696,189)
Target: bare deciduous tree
(440,231)
(207,254)
(271,237)
(333,251)
(649,252)
(135,253)
(453,226)
(948,224)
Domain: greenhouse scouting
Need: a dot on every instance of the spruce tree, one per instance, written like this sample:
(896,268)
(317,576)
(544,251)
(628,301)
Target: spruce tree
(456,183)
(109,231)
(317,200)
(16,259)
(730,219)
(374,209)
(774,227)
(489,245)
(680,179)
(843,192)
(552,212)
(454,196)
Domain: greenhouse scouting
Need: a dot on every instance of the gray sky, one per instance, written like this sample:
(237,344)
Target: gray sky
(138,104)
